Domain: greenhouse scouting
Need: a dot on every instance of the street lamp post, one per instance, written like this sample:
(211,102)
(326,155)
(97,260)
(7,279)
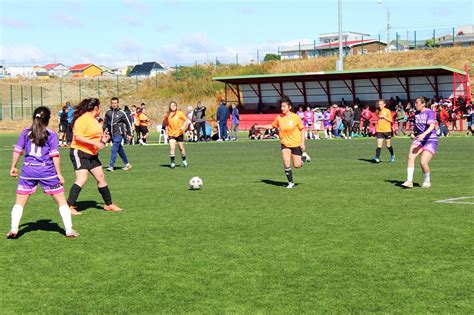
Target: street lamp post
(388,24)
(340,61)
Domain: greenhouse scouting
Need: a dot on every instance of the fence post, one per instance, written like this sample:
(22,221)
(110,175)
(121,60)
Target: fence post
(98,86)
(176,72)
(237,59)
(21,95)
(434,37)
(1,105)
(156,80)
(299,50)
(11,101)
(414,40)
(362,44)
(396,40)
(258,56)
(80,90)
(41,88)
(31,97)
(196,74)
(61,90)
(118,88)
(136,82)
(453,36)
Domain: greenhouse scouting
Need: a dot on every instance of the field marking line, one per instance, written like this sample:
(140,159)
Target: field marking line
(454,200)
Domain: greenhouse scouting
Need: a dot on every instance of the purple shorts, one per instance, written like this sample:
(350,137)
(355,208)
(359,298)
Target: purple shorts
(31,176)
(327,124)
(429,145)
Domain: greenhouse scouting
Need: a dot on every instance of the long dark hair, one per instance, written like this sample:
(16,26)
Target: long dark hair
(285,99)
(86,105)
(39,134)
(168,113)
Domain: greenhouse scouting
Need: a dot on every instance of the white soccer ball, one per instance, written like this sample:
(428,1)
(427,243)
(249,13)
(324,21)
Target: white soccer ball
(308,158)
(195,183)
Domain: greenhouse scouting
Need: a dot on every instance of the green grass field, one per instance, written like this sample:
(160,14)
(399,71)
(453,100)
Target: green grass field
(347,238)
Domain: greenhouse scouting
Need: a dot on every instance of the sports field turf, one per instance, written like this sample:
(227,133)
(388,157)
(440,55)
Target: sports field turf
(347,238)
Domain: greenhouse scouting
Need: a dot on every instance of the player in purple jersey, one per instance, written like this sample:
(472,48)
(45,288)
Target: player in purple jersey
(40,166)
(424,144)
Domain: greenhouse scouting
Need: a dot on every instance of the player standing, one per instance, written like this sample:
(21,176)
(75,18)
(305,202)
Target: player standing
(383,131)
(41,166)
(176,124)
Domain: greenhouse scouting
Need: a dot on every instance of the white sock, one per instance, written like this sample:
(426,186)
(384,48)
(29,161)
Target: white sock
(410,171)
(17,212)
(66,217)
(426,177)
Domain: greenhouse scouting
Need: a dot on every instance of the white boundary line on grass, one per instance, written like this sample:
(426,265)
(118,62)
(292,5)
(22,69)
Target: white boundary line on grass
(454,200)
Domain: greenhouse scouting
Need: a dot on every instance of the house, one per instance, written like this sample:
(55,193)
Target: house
(20,71)
(106,70)
(85,70)
(42,75)
(328,45)
(147,69)
(56,69)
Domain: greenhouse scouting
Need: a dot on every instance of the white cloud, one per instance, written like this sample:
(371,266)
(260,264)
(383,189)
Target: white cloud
(11,22)
(65,19)
(21,54)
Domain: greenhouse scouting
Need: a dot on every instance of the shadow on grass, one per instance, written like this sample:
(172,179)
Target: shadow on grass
(87,204)
(169,166)
(275,183)
(399,183)
(40,225)
(368,161)
(115,168)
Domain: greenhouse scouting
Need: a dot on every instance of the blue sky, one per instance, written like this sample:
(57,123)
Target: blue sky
(121,32)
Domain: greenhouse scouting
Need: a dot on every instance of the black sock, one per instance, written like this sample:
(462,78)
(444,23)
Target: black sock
(105,192)
(289,174)
(390,149)
(377,152)
(73,194)
(172,158)
(183,157)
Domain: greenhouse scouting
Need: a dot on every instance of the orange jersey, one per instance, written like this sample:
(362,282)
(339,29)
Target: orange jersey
(384,125)
(175,123)
(290,129)
(90,128)
(143,119)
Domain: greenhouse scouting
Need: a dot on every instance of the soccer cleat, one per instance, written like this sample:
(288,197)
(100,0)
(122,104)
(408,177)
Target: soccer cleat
(110,169)
(426,185)
(72,234)
(140,141)
(392,159)
(74,211)
(290,185)
(407,184)
(173,165)
(185,164)
(127,167)
(12,234)
(112,208)
(375,159)
(307,157)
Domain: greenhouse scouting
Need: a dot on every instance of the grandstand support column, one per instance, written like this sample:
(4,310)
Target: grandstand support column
(379,84)
(328,92)
(436,87)
(277,90)
(238,95)
(353,92)
(304,94)
(281,89)
(259,93)
(408,89)
(225,92)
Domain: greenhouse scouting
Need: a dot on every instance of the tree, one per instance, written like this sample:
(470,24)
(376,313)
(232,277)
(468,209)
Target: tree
(269,57)
(430,43)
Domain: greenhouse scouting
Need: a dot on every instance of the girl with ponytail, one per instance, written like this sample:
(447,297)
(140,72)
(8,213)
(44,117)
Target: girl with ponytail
(40,166)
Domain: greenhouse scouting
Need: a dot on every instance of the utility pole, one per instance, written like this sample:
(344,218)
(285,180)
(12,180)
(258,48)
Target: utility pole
(340,61)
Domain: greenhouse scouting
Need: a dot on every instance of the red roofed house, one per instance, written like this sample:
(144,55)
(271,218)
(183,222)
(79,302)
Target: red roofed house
(85,70)
(56,69)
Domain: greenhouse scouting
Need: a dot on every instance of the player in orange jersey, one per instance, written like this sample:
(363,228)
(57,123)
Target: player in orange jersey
(176,123)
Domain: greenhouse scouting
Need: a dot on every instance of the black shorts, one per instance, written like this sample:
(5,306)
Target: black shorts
(143,129)
(178,139)
(83,161)
(294,150)
(383,135)
(63,127)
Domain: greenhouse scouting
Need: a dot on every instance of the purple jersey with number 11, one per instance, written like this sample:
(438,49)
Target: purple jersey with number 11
(38,167)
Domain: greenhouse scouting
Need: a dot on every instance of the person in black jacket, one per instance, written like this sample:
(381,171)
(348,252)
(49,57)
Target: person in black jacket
(115,121)
(199,119)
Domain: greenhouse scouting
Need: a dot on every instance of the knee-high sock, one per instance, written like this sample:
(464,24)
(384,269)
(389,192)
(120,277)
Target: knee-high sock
(390,149)
(17,212)
(410,171)
(73,194)
(66,217)
(105,192)
(377,152)
(289,174)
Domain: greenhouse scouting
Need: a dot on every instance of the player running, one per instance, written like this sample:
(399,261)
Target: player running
(383,131)
(424,144)
(41,166)
(176,124)
(292,138)
(88,140)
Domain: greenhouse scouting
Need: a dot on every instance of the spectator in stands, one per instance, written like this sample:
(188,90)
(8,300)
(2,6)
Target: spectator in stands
(199,119)
(70,118)
(443,121)
(347,118)
(356,121)
(260,107)
(234,129)
(343,103)
(254,133)
(337,125)
(222,116)
(308,121)
(366,116)
(300,113)
(190,133)
(469,119)
(401,119)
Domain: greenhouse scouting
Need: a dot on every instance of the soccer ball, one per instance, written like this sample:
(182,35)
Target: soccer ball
(308,158)
(195,183)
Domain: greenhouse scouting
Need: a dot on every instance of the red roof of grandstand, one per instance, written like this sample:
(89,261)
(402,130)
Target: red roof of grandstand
(349,43)
(50,66)
(80,66)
